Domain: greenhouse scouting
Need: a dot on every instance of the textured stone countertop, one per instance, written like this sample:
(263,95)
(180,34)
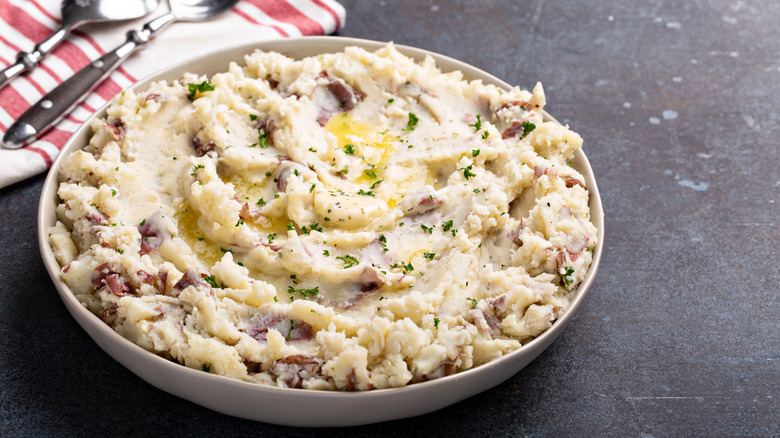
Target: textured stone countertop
(680,334)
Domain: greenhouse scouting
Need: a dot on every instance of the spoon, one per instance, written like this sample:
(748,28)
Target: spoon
(74,14)
(60,101)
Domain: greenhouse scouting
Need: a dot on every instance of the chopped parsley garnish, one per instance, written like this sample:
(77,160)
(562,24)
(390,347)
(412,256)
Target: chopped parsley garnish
(326,253)
(305,292)
(261,201)
(427,229)
(311,189)
(567,275)
(447,225)
(271,238)
(240,222)
(199,88)
(349,149)
(268,174)
(383,242)
(253,117)
(429,255)
(212,281)
(290,226)
(113,192)
(292,326)
(142,222)
(391,100)
(349,261)
(373,186)
(411,123)
(477,190)
(262,138)
(343,171)
(408,267)
(527,128)
(467,171)
(313,227)
(370,173)
(485,135)
(120,251)
(366,193)
(312,150)
(225,250)
(195,169)
(475,152)
(473,302)
(436,323)
(478,124)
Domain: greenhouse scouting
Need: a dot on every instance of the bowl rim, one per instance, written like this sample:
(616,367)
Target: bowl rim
(97,328)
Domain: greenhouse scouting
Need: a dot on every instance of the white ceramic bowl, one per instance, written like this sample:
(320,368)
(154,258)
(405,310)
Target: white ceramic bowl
(300,407)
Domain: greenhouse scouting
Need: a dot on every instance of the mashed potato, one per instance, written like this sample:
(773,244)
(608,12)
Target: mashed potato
(344,222)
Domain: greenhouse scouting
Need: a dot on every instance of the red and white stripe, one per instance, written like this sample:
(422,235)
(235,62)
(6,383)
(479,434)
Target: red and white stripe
(23,23)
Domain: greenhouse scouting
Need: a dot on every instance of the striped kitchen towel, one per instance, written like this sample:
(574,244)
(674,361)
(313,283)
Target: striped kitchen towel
(25,22)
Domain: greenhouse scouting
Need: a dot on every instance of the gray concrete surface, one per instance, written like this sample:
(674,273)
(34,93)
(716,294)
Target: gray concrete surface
(680,335)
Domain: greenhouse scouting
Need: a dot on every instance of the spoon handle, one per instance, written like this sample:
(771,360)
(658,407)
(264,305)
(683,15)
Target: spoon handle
(55,105)
(26,61)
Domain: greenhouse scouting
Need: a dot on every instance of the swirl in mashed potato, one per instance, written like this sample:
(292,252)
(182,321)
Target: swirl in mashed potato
(348,221)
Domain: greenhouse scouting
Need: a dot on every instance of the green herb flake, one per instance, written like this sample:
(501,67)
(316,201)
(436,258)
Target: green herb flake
(305,292)
(326,253)
(429,255)
(370,173)
(199,88)
(195,169)
(142,222)
(262,138)
(373,186)
(349,149)
(485,135)
(478,124)
(348,260)
(567,276)
(391,100)
(410,125)
(260,201)
(311,189)
(253,117)
(225,250)
(290,226)
(475,152)
(408,267)
(212,281)
(528,127)
(467,173)
(366,193)
(292,327)
(271,238)
(436,323)
(473,302)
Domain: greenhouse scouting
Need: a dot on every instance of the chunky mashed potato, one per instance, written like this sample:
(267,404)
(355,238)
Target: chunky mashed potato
(348,221)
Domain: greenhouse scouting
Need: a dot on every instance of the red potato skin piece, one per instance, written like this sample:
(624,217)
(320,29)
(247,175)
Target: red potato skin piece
(259,329)
(202,149)
(297,364)
(116,129)
(190,278)
(104,277)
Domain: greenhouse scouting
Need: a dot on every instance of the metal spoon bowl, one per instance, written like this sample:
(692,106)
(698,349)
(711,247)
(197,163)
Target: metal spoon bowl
(76,13)
(52,107)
